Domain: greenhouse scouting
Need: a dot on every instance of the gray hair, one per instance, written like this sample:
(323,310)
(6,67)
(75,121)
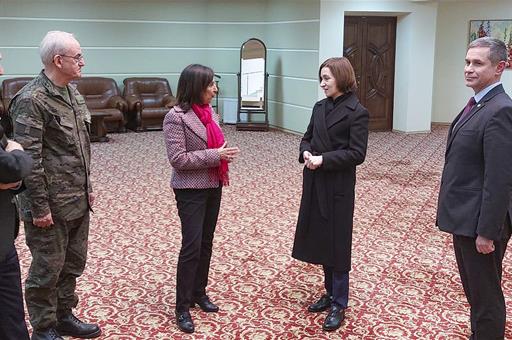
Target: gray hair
(497,48)
(53,43)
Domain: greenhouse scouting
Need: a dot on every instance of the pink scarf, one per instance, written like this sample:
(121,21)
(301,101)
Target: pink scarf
(214,139)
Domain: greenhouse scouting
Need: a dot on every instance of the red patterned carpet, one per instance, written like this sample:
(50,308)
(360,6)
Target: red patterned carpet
(404,283)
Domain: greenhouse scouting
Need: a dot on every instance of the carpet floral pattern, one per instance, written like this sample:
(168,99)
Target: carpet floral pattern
(404,283)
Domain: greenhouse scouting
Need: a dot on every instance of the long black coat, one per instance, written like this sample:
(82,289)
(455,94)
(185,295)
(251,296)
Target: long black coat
(13,167)
(324,227)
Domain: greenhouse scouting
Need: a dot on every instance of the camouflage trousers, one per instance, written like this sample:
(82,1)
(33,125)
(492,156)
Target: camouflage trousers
(59,253)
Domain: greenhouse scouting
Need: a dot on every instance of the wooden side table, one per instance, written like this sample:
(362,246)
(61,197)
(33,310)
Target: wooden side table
(98,128)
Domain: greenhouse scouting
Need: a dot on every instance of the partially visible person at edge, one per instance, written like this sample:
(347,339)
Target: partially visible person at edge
(475,204)
(14,165)
(199,156)
(51,122)
(334,144)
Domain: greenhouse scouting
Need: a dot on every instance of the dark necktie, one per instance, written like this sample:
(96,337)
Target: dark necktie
(471,103)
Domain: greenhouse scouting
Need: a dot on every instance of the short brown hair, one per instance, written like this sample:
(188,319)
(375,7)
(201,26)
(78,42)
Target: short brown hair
(343,72)
(194,80)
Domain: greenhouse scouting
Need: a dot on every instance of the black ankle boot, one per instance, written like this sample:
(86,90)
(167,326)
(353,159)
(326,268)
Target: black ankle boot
(72,326)
(205,304)
(46,334)
(184,322)
(334,318)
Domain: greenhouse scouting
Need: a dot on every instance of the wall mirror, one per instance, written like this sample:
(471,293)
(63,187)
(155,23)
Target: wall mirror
(252,86)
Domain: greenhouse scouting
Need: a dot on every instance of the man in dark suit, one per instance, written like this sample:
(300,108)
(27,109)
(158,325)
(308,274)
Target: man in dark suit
(14,165)
(475,195)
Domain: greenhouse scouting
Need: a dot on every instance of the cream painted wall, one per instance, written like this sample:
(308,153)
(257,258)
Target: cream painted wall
(414,68)
(450,93)
(292,41)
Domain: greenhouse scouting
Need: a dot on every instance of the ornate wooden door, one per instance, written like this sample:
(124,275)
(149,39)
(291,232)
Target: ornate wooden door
(369,44)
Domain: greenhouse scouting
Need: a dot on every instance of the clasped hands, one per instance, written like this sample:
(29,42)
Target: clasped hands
(228,154)
(312,162)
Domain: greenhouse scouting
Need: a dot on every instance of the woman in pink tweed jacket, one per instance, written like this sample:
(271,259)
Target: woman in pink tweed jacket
(199,157)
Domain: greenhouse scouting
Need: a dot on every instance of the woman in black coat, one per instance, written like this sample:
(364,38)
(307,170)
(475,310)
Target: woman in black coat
(333,145)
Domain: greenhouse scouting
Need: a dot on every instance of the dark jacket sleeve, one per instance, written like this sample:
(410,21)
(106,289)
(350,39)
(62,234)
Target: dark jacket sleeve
(14,165)
(497,184)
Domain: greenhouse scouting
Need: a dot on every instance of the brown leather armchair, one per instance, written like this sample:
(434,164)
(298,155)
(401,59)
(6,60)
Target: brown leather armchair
(103,95)
(10,87)
(149,100)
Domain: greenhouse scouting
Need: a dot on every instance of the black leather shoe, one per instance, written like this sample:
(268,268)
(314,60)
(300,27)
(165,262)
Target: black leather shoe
(72,326)
(184,322)
(323,304)
(205,304)
(46,334)
(334,318)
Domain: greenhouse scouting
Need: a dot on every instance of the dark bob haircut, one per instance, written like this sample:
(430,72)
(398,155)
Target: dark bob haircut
(343,72)
(194,80)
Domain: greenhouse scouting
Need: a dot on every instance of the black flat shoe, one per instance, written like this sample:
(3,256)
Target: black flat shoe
(205,304)
(334,318)
(184,322)
(323,304)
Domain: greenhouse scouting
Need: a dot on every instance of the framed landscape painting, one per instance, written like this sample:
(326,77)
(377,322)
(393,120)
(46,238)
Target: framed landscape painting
(500,29)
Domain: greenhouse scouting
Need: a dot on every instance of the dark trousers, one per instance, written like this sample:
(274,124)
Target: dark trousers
(12,314)
(336,284)
(481,279)
(59,253)
(198,210)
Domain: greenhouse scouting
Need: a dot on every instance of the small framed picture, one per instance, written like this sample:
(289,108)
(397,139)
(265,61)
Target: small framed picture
(500,29)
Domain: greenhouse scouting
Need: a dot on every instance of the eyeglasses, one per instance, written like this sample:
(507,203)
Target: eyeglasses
(77,58)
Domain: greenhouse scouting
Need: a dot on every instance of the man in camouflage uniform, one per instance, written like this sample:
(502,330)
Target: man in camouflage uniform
(51,122)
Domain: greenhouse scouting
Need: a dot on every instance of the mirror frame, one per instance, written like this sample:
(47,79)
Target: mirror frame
(264,104)
(249,110)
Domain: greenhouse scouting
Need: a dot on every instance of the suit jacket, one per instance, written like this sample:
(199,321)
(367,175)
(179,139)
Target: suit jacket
(187,150)
(13,167)
(324,226)
(476,184)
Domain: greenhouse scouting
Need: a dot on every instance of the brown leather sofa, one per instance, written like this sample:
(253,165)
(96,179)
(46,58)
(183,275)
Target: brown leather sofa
(103,96)
(149,100)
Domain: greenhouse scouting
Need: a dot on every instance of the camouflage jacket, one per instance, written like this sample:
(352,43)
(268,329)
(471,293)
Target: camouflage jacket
(55,132)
